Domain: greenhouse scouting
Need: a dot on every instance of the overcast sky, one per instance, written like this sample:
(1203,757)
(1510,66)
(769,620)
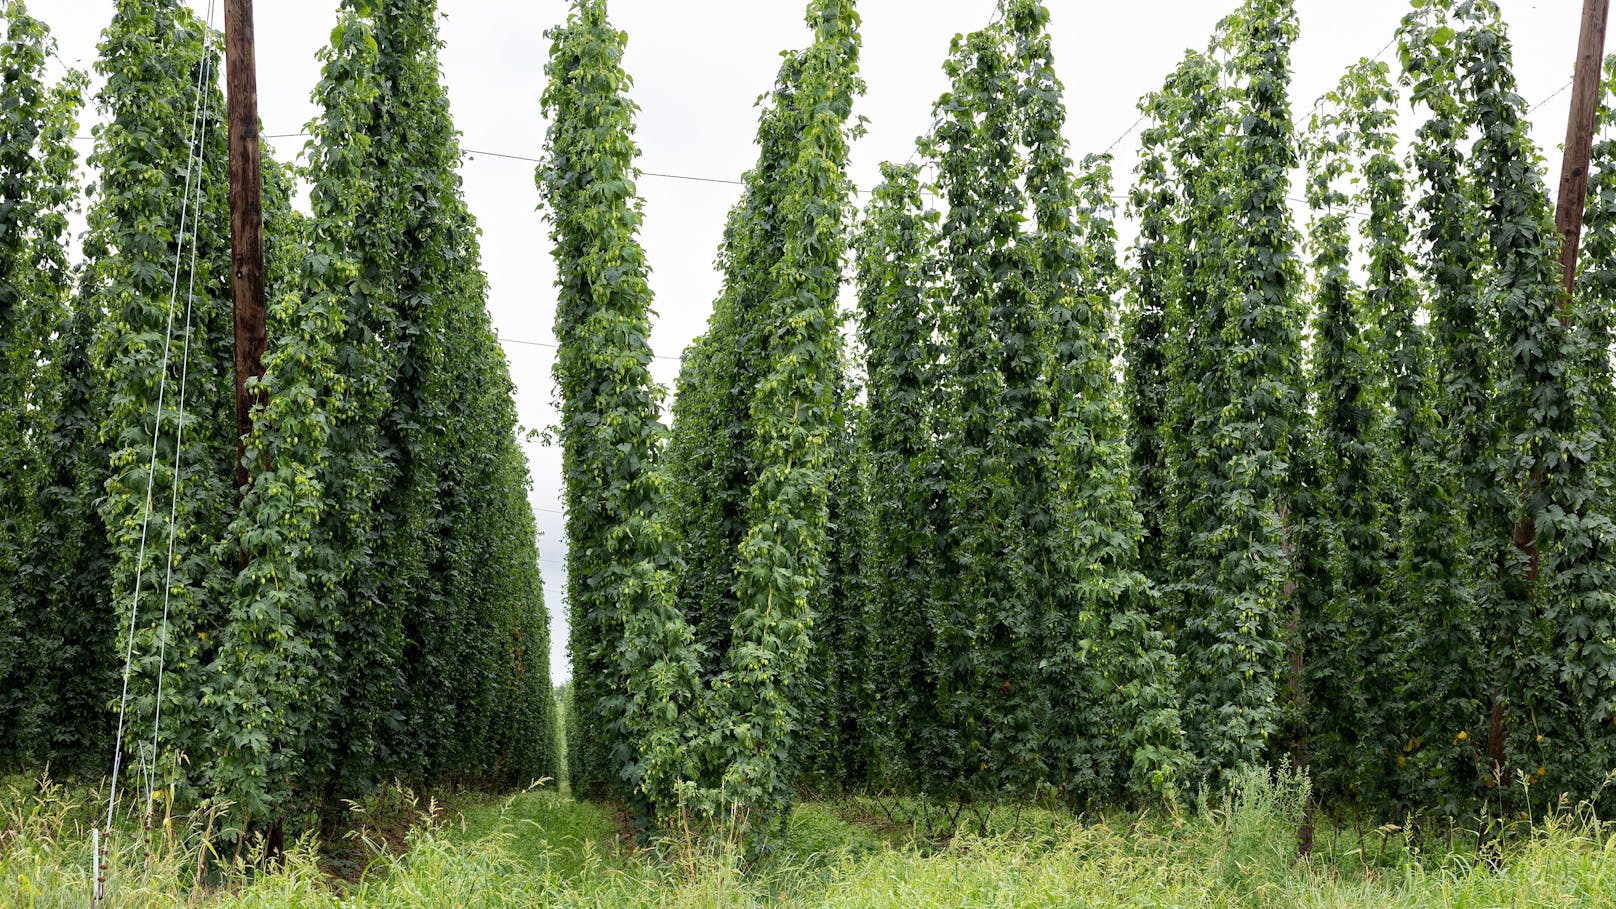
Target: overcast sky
(698,69)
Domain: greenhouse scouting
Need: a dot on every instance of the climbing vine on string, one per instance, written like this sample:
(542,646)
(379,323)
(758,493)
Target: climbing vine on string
(634,660)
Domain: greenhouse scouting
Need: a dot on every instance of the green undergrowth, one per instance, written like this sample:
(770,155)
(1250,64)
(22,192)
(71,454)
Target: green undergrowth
(541,848)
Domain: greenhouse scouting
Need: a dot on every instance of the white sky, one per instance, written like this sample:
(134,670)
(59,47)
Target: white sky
(698,69)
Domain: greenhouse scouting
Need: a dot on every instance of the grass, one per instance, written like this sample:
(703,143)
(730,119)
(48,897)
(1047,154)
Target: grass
(540,848)
(543,829)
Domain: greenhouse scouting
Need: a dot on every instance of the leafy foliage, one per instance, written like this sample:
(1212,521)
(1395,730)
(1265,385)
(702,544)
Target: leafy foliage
(633,655)
(830,750)
(1348,622)
(266,668)
(49,665)
(792,411)
(163,324)
(693,706)
(1230,385)
(1008,625)
(425,475)
(1556,584)
(1447,640)
(901,543)
(1059,530)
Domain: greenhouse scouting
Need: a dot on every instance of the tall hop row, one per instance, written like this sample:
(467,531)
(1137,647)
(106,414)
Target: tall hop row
(369,608)
(690,662)
(1008,626)
(1214,345)
(1385,551)
(1346,504)
(749,609)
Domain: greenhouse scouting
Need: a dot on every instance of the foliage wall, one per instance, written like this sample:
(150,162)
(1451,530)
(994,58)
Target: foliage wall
(1318,470)
(368,608)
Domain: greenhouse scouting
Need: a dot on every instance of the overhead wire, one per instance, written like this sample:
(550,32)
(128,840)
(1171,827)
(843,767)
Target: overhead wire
(1126,133)
(936,122)
(1555,94)
(725,181)
(551,345)
(937,119)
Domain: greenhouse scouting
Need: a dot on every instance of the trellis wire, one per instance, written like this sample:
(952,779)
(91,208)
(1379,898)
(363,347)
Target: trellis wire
(193,155)
(998,13)
(179,431)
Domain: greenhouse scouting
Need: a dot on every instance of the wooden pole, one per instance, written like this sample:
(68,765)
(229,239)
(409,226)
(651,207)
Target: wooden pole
(246,255)
(1579,140)
(246,217)
(1568,211)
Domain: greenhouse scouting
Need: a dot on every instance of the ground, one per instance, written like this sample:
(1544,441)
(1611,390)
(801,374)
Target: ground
(541,848)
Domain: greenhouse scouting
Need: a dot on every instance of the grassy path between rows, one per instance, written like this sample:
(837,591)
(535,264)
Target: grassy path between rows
(542,849)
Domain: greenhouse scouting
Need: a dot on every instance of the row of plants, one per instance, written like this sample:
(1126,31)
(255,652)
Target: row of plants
(368,607)
(1346,501)
(693,556)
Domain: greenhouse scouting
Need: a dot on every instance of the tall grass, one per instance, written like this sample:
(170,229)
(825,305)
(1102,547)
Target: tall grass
(1235,849)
